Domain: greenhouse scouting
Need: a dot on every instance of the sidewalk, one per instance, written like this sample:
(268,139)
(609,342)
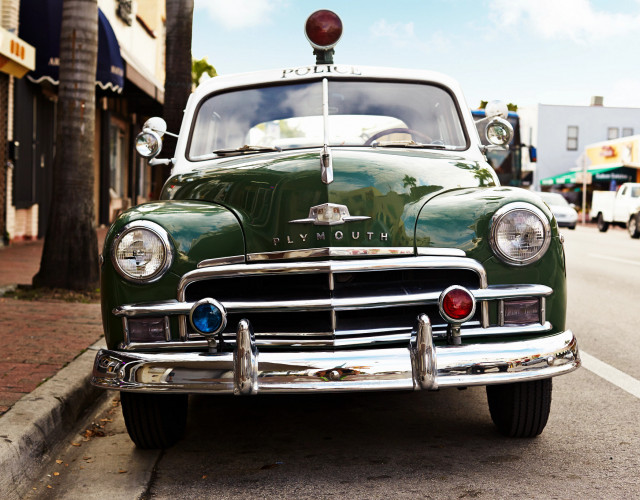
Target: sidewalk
(40,341)
(37,338)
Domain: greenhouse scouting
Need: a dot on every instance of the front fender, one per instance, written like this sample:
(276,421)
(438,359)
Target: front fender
(197,231)
(462,219)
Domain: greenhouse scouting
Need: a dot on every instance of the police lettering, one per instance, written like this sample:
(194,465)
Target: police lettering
(319,70)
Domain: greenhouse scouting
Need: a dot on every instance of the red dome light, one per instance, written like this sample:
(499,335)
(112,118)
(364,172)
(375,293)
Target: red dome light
(457,304)
(323,29)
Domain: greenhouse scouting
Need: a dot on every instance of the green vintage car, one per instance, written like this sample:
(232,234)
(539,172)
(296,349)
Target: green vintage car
(332,228)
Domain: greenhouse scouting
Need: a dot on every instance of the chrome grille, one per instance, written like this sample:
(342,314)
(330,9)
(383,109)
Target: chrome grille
(331,303)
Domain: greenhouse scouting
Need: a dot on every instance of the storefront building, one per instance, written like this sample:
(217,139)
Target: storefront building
(128,91)
(606,165)
(17,57)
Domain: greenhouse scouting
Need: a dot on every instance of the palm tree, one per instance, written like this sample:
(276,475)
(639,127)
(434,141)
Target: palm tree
(70,255)
(178,82)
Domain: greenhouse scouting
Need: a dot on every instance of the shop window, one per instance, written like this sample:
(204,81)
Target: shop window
(572,138)
(144,183)
(117,148)
(613,133)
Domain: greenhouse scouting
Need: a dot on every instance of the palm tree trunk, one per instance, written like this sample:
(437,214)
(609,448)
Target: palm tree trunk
(177,86)
(70,255)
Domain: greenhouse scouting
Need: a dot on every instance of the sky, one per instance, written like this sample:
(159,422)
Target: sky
(519,51)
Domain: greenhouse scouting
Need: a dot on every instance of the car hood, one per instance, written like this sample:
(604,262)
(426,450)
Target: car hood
(387,188)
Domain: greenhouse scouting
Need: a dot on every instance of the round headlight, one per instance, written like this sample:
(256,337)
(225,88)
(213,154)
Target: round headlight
(142,252)
(520,234)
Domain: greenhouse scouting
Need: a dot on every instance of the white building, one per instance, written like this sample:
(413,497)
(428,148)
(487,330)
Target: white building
(561,133)
(129,89)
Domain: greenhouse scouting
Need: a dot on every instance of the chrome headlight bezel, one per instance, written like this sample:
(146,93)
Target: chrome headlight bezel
(499,218)
(157,231)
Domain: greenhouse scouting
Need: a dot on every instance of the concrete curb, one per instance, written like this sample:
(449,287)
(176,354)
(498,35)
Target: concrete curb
(35,427)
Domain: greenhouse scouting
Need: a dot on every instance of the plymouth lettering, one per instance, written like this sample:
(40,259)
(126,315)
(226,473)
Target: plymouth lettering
(337,235)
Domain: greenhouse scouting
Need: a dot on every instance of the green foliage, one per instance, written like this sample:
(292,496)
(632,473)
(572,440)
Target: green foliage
(200,67)
(510,106)
(286,130)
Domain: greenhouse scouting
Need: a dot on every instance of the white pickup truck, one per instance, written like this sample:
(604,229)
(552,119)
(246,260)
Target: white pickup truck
(621,207)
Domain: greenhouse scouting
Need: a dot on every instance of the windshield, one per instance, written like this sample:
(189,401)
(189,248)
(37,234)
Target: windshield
(554,199)
(361,113)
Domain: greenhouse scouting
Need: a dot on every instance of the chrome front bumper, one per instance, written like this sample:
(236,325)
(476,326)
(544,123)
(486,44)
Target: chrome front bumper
(420,365)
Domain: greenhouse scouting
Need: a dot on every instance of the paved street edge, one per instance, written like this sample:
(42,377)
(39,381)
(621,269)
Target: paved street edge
(36,425)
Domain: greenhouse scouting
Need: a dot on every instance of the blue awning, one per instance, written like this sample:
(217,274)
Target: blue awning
(40,24)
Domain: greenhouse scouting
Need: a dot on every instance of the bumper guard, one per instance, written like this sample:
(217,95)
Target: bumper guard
(420,365)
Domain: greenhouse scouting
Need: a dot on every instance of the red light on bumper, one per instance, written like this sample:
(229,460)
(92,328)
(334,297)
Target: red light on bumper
(457,304)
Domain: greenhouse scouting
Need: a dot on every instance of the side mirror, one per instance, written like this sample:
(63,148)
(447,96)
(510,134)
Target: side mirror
(497,109)
(149,141)
(156,124)
(498,132)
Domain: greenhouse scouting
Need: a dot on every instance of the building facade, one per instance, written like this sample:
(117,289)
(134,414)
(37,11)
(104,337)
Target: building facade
(129,89)
(561,133)
(16,58)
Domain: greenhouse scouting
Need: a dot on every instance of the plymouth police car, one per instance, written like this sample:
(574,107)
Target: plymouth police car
(332,228)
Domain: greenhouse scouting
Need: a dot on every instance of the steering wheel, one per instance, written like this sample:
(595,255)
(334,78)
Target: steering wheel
(399,130)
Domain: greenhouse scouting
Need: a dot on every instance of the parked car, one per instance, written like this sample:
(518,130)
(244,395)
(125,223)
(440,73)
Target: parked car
(565,213)
(332,228)
(617,207)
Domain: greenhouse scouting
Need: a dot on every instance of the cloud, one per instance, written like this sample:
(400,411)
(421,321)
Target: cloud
(236,14)
(398,33)
(575,20)
(402,36)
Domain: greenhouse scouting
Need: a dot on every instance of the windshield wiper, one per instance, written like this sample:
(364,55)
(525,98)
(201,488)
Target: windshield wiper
(406,144)
(245,149)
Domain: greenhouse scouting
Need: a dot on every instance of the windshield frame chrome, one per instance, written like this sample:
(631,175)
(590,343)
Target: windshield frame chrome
(454,99)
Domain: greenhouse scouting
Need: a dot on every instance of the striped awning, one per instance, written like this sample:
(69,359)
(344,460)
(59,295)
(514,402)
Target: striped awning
(618,173)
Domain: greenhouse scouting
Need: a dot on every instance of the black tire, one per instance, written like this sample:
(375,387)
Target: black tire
(521,409)
(602,224)
(572,227)
(633,226)
(154,421)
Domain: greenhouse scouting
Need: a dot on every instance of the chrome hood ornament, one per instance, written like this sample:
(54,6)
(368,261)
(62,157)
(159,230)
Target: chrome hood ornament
(329,214)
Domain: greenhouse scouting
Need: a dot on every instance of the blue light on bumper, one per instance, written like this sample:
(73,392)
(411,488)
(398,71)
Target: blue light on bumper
(208,316)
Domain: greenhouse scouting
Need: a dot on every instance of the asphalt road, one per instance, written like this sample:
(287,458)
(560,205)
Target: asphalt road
(402,445)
